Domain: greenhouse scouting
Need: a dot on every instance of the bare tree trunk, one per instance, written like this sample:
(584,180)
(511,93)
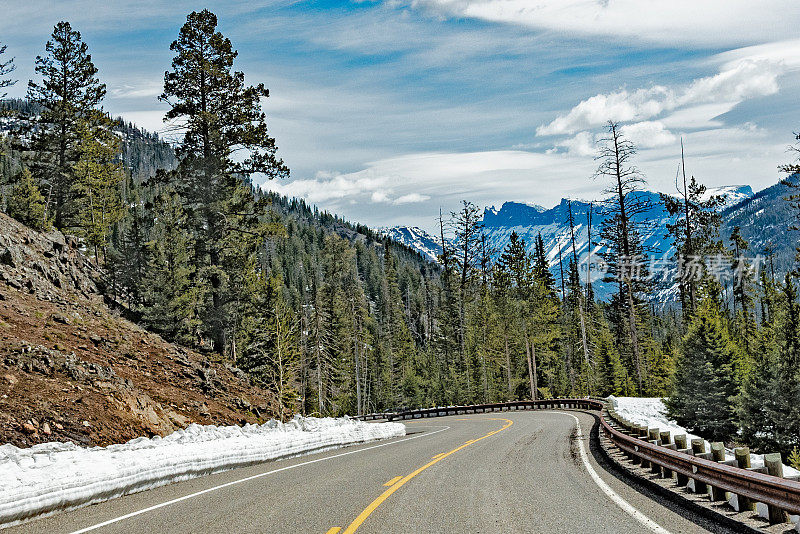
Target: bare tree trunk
(634,338)
(508,368)
(534,373)
(530,368)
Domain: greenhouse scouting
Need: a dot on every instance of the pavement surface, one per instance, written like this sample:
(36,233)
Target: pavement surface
(497,472)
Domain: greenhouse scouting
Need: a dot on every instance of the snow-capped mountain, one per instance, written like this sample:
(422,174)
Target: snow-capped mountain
(429,246)
(553,225)
(733,194)
(530,220)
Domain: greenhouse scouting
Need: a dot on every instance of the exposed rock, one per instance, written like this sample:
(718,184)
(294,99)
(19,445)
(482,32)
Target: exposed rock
(59,318)
(28,428)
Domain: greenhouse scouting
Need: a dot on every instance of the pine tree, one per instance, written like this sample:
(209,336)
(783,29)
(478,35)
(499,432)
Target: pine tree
(26,203)
(704,387)
(98,173)
(170,300)
(468,230)
(223,119)
(694,233)
(6,68)
(271,350)
(68,95)
(621,234)
(611,372)
(769,405)
(541,268)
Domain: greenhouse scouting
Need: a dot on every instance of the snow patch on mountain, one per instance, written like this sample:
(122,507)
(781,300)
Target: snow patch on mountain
(416,238)
(733,194)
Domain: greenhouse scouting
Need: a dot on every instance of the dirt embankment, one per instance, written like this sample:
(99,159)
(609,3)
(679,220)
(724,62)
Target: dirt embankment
(71,369)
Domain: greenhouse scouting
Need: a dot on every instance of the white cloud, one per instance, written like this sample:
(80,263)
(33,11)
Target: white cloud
(143,90)
(583,144)
(696,117)
(649,134)
(678,22)
(786,53)
(379,196)
(741,80)
(410,198)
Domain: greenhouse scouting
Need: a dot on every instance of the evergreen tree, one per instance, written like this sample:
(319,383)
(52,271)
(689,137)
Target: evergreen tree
(170,299)
(704,387)
(98,175)
(26,203)
(611,373)
(226,140)
(68,96)
(6,68)
(694,233)
(271,350)
(541,268)
(467,229)
(769,404)
(621,234)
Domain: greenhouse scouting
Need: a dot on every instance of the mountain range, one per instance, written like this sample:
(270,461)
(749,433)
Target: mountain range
(764,218)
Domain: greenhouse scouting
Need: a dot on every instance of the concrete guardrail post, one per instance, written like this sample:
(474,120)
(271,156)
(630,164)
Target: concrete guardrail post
(718,455)
(774,467)
(698,448)
(742,455)
(680,446)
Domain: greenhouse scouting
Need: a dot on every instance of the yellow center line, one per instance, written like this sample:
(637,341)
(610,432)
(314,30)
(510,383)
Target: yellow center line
(438,455)
(395,479)
(334,530)
(386,494)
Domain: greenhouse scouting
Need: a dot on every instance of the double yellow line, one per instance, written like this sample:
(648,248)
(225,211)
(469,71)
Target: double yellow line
(396,485)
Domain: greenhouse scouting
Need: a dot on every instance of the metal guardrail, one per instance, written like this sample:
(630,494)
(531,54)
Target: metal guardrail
(580,404)
(759,487)
(373,416)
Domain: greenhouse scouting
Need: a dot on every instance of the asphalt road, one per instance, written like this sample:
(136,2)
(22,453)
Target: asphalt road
(500,472)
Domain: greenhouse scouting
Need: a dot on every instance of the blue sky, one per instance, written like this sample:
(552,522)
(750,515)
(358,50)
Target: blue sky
(388,110)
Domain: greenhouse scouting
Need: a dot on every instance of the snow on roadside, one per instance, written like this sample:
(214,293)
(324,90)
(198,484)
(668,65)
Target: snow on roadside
(57,476)
(652,412)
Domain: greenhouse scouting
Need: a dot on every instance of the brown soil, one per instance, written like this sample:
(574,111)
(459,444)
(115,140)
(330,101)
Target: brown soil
(71,369)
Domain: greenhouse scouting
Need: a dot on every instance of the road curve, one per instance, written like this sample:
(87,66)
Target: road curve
(495,472)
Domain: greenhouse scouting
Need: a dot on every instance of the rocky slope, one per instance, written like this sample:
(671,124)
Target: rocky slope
(71,369)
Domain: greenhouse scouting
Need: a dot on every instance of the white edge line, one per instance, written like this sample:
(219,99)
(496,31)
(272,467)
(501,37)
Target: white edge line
(246,479)
(619,501)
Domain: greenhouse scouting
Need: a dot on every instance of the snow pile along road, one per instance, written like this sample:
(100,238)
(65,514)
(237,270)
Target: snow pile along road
(652,412)
(57,476)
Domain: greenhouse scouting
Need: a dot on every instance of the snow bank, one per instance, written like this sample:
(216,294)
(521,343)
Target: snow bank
(57,476)
(652,412)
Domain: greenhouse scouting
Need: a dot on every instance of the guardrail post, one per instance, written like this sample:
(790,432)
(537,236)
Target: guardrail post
(774,467)
(718,455)
(654,437)
(698,448)
(680,446)
(667,473)
(643,437)
(742,455)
